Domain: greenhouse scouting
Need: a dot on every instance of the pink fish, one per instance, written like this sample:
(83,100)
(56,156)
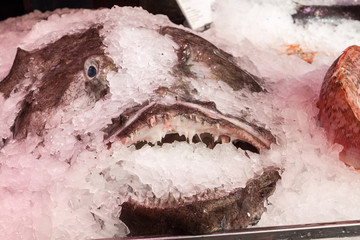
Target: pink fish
(339,105)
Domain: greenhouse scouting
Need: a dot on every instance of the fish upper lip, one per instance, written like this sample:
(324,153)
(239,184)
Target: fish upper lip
(201,115)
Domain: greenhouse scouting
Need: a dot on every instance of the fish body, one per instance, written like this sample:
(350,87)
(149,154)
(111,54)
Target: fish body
(74,75)
(339,104)
(328,14)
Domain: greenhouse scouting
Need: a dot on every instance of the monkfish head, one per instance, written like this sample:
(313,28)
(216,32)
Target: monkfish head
(50,79)
(102,86)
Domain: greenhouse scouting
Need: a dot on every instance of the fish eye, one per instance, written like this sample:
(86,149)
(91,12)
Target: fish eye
(91,72)
(91,68)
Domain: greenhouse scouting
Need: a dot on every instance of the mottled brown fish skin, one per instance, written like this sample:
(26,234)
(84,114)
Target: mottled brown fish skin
(239,209)
(339,105)
(333,14)
(45,75)
(221,63)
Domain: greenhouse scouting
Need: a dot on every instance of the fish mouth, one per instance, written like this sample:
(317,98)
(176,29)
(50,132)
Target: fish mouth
(175,113)
(156,123)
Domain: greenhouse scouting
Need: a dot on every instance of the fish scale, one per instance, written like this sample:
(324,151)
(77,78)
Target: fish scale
(339,109)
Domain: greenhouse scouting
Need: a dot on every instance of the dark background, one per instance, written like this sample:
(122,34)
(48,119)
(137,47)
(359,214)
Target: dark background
(13,8)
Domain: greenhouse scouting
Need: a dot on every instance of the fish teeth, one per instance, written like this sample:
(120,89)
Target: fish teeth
(191,136)
(157,137)
(196,197)
(163,134)
(157,202)
(151,121)
(206,194)
(224,138)
(211,193)
(152,202)
(181,199)
(171,200)
(203,196)
(182,118)
(161,203)
(187,134)
(146,202)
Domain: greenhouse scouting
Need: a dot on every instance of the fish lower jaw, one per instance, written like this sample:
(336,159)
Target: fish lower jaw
(192,128)
(202,213)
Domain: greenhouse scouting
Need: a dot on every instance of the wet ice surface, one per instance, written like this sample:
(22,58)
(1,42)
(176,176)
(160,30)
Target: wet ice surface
(70,190)
(315,186)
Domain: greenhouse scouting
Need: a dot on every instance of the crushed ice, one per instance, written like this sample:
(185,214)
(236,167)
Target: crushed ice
(71,190)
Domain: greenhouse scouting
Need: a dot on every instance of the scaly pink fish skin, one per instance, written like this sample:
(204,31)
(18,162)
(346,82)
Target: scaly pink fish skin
(339,105)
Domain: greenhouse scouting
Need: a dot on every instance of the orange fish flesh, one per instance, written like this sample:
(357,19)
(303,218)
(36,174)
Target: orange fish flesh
(295,49)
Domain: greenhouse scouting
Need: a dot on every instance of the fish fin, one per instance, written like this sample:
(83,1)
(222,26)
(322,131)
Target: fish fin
(351,157)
